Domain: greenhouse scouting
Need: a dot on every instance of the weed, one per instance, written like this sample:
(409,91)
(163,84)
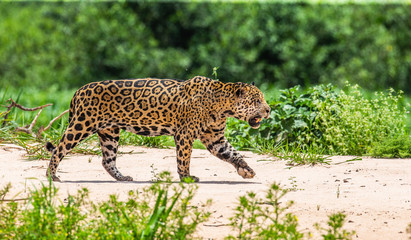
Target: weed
(161,211)
(215,73)
(392,147)
(334,230)
(294,186)
(297,155)
(155,177)
(257,218)
(268,218)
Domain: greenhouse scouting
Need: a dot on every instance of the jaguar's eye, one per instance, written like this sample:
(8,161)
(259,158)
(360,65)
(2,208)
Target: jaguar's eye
(258,101)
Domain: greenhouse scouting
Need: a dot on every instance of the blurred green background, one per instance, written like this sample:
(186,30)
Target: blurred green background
(62,45)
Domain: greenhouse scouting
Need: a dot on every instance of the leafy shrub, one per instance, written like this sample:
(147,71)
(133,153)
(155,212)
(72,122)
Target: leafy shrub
(352,123)
(291,121)
(324,120)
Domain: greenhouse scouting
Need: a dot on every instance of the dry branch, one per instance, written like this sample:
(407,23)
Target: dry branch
(29,128)
(14,200)
(51,122)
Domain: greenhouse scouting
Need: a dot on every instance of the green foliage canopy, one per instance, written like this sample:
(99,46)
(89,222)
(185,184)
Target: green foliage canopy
(70,44)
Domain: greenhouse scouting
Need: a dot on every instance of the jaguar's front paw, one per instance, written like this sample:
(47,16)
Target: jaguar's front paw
(189,179)
(125,179)
(246,172)
(53,177)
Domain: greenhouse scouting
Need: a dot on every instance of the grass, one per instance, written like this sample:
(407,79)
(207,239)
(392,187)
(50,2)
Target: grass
(294,155)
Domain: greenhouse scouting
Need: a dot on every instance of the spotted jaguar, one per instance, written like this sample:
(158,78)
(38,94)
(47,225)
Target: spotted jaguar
(187,110)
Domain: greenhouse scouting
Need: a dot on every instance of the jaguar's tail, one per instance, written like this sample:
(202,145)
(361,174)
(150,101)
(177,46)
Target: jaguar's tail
(50,147)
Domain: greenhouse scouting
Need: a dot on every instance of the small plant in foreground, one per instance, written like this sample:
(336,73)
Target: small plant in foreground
(257,218)
(268,218)
(334,230)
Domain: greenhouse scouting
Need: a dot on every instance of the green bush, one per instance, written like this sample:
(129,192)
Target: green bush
(351,124)
(324,120)
(45,44)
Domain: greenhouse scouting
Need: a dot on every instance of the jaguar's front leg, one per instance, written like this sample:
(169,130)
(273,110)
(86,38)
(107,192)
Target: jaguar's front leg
(218,145)
(184,147)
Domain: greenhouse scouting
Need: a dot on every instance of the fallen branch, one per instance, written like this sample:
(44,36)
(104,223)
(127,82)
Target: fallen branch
(51,122)
(14,104)
(29,128)
(14,200)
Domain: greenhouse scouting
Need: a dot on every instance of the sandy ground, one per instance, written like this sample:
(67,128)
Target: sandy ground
(375,194)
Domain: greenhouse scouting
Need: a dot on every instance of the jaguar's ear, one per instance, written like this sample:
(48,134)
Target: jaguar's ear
(252,83)
(240,92)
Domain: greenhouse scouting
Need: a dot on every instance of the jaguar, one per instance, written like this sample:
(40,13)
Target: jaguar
(197,108)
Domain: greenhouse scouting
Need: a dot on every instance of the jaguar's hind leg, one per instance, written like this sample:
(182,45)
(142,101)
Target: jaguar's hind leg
(109,138)
(69,140)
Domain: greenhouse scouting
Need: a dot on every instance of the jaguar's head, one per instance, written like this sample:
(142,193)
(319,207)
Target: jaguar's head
(250,104)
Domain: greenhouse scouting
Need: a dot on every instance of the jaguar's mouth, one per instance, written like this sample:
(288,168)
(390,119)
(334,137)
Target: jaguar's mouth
(255,122)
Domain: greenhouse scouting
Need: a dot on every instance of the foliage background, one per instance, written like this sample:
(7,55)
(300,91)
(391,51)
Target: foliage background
(70,44)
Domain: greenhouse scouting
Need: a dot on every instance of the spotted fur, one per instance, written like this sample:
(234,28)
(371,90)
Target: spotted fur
(194,109)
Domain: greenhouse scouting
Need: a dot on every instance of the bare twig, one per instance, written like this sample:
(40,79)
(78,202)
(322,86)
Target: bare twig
(52,121)
(13,200)
(29,128)
(14,104)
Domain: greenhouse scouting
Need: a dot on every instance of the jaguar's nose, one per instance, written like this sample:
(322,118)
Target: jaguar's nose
(267,112)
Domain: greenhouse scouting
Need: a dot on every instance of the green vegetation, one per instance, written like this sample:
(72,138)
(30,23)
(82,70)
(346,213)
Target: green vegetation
(324,120)
(257,218)
(46,44)
(160,211)
(393,147)
(269,218)
(47,50)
